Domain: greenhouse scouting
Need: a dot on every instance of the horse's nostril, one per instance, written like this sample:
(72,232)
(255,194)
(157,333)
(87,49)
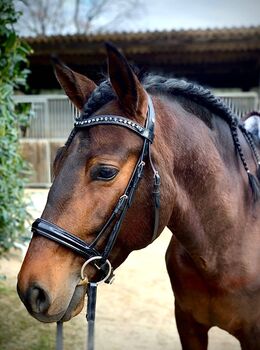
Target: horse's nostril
(37,299)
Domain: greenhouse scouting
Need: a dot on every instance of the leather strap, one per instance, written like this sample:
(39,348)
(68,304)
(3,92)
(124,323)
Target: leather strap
(91,314)
(59,336)
(61,236)
(115,120)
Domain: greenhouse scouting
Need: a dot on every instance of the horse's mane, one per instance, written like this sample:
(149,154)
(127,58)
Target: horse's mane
(192,96)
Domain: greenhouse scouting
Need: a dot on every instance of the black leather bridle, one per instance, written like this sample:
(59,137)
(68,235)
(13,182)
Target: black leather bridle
(89,251)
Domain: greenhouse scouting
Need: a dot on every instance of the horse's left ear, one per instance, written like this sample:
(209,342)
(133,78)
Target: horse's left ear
(131,95)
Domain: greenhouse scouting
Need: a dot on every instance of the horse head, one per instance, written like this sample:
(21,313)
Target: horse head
(91,172)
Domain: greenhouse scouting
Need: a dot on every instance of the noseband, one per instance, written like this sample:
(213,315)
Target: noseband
(89,251)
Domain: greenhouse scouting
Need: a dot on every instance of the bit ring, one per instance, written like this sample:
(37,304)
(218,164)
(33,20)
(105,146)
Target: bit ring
(84,280)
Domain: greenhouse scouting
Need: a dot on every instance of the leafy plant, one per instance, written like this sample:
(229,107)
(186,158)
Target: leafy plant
(13,169)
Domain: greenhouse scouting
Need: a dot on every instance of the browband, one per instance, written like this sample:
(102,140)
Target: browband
(146,132)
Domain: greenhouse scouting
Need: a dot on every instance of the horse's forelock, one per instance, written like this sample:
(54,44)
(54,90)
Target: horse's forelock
(99,97)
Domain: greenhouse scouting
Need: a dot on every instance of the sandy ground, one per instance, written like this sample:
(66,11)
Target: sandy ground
(137,310)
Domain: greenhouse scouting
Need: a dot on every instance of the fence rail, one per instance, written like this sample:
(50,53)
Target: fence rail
(52,115)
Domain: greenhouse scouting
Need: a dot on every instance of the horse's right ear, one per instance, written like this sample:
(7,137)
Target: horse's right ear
(76,86)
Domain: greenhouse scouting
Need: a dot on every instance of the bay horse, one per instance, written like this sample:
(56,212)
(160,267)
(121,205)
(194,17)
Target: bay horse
(209,199)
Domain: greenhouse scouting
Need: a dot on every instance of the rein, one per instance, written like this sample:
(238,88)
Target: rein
(89,251)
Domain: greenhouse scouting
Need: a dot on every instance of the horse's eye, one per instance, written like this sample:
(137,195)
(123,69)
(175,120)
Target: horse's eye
(104,173)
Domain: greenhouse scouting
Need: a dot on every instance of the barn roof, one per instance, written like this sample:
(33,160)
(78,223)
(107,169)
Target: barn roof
(179,51)
(224,39)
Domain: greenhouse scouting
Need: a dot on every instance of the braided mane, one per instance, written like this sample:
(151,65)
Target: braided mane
(155,84)
(195,98)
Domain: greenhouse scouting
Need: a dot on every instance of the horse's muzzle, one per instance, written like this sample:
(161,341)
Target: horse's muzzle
(39,304)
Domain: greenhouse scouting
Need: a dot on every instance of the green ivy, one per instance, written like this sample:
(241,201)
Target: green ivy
(13,169)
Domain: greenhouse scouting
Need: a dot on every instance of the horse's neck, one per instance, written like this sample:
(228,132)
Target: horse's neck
(209,207)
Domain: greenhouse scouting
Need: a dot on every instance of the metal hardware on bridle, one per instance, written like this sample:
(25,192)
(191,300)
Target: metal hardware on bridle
(107,262)
(92,297)
(89,251)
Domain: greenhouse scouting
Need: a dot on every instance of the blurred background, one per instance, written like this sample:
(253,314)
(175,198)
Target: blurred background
(214,43)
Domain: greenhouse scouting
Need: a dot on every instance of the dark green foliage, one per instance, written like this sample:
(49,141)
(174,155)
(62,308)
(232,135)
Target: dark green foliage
(13,74)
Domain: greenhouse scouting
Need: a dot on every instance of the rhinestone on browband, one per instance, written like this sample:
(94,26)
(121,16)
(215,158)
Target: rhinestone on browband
(109,120)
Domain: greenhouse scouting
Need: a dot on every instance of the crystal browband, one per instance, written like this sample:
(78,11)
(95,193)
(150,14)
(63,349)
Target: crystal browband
(115,120)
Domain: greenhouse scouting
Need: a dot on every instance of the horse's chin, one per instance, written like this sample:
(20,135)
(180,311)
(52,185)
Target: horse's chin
(76,304)
(74,308)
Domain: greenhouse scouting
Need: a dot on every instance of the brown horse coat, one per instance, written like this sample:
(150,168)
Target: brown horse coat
(213,259)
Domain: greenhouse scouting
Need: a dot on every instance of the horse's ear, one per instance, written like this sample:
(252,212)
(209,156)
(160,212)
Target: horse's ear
(76,86)
(131,95)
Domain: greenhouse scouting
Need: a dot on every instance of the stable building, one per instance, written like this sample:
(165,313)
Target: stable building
(225,60)
(218,58)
